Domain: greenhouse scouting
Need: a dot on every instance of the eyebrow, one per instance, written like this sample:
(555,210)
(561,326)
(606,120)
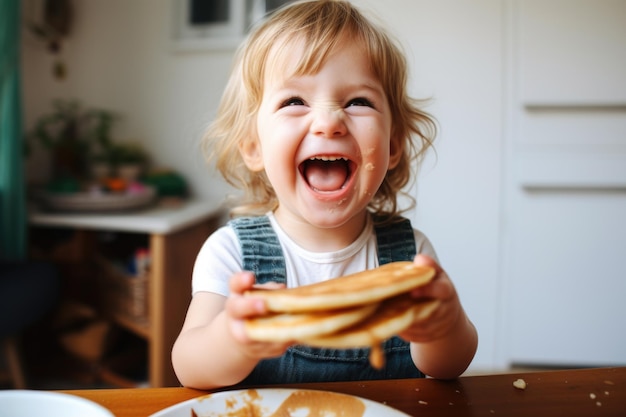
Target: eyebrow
(295,82)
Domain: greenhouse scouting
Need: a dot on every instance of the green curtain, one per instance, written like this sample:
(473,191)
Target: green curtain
(12,186)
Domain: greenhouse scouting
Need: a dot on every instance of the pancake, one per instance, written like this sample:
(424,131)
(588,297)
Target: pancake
(366,287)
(353,311)
(284,327)
(390,318)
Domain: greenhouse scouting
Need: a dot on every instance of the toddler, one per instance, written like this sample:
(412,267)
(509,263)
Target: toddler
(317,128)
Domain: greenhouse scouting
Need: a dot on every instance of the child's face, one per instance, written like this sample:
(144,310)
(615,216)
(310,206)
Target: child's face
(324,140)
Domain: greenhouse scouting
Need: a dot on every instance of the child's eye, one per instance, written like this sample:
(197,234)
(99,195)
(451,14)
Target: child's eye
(292,101)
(360,101)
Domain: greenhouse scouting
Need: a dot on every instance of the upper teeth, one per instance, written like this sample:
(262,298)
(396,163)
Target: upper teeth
(328,158)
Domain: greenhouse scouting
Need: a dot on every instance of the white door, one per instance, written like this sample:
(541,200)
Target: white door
(565,268)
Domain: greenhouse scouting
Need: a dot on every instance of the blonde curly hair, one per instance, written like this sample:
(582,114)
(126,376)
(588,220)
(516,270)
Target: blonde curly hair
(319,26)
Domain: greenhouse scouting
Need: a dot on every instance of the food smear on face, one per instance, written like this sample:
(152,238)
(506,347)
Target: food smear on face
(369,151)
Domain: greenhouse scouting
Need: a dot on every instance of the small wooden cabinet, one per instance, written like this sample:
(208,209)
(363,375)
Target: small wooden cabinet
(174,235)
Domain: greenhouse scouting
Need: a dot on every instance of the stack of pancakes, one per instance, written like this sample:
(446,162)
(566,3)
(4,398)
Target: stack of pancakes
(358,310)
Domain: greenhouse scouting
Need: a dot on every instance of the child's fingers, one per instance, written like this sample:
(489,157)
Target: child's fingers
(238,306)
(241,282)
(238,330)
(245,280)
(256,349)
(269,286)
(440,288)
(426,260)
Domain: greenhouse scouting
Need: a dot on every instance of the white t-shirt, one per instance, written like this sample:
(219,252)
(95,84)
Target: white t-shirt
(220,257)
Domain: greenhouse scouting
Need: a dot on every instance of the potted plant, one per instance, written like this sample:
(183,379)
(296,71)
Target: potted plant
(129,159)
(72,134)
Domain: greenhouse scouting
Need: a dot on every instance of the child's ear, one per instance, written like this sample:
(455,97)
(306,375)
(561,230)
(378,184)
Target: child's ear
(396,150)
(252,154)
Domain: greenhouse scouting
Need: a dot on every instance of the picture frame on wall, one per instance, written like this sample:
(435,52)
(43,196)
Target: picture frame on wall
(216,24)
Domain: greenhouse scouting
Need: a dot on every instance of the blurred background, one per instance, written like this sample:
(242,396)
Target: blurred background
(524,198)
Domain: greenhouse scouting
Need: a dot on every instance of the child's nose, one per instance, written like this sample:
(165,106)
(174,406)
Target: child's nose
(328,123)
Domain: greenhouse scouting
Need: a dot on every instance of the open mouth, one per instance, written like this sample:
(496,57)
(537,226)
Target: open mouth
(327,173)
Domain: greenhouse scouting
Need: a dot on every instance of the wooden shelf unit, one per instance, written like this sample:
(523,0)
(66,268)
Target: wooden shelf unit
(174,236)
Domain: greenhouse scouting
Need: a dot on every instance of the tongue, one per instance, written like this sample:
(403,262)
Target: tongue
(326,175)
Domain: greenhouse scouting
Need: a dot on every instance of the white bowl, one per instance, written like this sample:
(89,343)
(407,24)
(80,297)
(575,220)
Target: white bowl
(31,403)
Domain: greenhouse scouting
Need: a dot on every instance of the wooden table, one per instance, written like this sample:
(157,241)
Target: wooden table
(589,392)
(174,234)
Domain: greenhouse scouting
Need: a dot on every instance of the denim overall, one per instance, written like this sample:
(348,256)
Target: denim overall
(262,254)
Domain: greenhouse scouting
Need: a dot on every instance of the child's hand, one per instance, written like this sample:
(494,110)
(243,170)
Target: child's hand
(444,318)
(238,308)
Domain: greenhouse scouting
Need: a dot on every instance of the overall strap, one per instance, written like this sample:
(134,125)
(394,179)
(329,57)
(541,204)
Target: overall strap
(396,241)
(261,252)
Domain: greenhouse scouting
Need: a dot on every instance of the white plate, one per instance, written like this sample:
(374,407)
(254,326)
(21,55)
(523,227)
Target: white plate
(29,403)
(265,403)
